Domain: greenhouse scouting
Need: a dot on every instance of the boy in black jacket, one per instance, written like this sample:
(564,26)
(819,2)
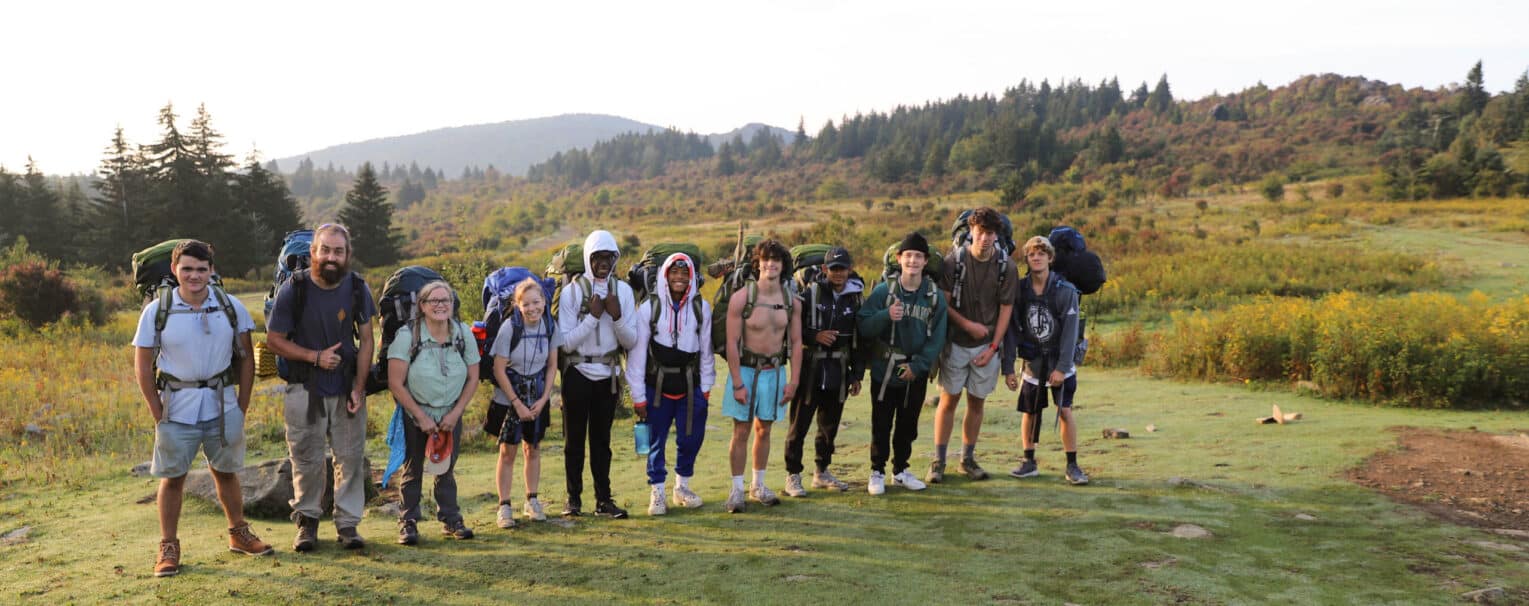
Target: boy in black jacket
(834,368)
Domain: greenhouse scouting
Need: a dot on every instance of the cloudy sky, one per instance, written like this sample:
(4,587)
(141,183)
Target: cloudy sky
(290,77)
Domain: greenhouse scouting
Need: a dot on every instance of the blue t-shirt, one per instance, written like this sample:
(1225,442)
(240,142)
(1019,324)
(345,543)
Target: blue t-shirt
(326,320)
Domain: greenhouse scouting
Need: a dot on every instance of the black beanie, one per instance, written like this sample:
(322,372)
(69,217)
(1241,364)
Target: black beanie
(914,241)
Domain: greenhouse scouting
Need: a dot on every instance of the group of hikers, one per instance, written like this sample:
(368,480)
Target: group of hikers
(794,352)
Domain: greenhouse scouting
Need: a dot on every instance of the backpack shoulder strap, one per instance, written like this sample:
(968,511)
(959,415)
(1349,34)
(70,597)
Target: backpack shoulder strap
(751,290)
(414,341)
(696,305)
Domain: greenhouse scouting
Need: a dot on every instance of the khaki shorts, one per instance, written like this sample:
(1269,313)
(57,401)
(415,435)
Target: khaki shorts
(957,372)
(176,445)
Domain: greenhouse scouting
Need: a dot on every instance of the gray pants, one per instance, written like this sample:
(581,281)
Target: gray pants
(412,483)
(346,434)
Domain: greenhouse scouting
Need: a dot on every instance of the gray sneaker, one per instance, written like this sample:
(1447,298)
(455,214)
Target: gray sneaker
(972,470)
(533,510)
(936,472)
(794,486)
(1075,475)
(764,495)
(735,501)
(823,479)
(684,497)
(1027,469)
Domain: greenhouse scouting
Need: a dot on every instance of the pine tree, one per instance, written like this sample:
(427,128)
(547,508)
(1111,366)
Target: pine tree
(1161,99)
(37,215)
(369,217)
(799,144)
(261,194)
(1474,97)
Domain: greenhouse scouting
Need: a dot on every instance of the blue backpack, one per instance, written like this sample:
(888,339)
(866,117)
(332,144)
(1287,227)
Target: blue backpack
(1075,261)
(499,305)
(294,257)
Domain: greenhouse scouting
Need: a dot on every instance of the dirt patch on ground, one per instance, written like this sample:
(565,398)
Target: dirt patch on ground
(1467,477)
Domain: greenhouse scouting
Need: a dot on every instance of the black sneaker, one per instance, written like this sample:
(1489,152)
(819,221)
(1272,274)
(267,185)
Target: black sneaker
(1026,469)
(1075,475)
(307,534)
(572,508)
(350,539)
(408,533)
(457,530)
(609,509)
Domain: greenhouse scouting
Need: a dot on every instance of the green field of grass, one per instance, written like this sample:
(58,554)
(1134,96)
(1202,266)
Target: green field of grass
(1286,525)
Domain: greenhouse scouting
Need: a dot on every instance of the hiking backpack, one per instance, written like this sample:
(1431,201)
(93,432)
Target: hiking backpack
(961,237)
(399,305)
(151,269)
(567,265)
(1075,261)
(499,305)
(295,254)
(643,276)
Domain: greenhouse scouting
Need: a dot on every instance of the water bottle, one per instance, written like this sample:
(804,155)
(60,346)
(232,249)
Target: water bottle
(641,437)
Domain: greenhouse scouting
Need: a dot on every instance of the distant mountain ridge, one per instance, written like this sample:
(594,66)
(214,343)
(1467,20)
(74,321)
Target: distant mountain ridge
(511,146)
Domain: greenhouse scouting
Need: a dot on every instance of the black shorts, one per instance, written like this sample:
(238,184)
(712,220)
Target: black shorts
(1032,398)
(512,430)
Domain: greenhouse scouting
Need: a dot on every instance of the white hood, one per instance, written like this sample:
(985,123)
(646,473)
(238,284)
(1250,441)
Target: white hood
(676,330)
(597,241)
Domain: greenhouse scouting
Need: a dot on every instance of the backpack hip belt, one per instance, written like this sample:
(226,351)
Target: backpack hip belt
(168,382)
(610,358)
(893,357)
(842,357)
(689,370)
(759,361)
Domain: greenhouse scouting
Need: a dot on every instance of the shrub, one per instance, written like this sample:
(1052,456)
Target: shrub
(37,293)
(1272,188)
(1424,349)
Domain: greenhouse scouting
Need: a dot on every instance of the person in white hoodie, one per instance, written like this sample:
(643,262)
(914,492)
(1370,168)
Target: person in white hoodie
(670,373)
(596,318)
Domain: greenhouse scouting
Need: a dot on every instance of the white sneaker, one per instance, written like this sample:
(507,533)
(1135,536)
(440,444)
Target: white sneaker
(907,480)
(878,483)
(684,497)
(533,510)
(764,495)
(823,479)
(506,516)
(794,486)
(735,502)
(656,505)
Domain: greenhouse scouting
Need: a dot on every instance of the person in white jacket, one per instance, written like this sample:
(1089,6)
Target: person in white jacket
(670,373)
(596,318)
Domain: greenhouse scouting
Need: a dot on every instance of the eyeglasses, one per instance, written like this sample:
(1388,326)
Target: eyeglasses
(436,302)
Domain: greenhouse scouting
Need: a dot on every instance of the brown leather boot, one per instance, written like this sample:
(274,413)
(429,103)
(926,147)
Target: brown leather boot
(169,563)
(242,540)
(307,533)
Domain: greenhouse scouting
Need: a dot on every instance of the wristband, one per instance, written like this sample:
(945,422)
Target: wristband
(992,347)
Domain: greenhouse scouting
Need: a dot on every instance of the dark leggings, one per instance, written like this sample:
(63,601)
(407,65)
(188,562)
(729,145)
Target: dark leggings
(828,408)
(589,408)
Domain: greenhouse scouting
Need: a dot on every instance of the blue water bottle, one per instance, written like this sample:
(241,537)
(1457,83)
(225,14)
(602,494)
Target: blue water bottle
(641,437)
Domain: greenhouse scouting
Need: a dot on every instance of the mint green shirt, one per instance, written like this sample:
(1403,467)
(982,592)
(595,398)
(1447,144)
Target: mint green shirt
(438,375)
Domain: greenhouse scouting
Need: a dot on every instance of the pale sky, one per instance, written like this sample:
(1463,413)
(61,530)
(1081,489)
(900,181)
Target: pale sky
(293,77)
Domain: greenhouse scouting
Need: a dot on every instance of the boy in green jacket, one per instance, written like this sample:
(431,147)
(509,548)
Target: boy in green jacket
(904,320)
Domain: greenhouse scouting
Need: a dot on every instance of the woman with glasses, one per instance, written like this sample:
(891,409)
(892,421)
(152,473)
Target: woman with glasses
(432,372)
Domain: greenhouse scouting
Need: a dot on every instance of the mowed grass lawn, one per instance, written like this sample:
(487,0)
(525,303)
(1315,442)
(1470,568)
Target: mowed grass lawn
(1035,541)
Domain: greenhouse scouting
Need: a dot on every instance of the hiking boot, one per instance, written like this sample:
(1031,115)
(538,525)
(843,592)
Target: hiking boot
(1075,475)
(610,510)
(241,540)
(794,486)
(877,484)
(408,533)
(350,539)
(457,529)
(572,507)
(972,470)
(533,510)
(656,506)
(735,502)
(907,480)
(764,495)
(1026,469)
(823,479)
(936,472)
(684,497)
(169,562)
(307,534)
(506,517)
